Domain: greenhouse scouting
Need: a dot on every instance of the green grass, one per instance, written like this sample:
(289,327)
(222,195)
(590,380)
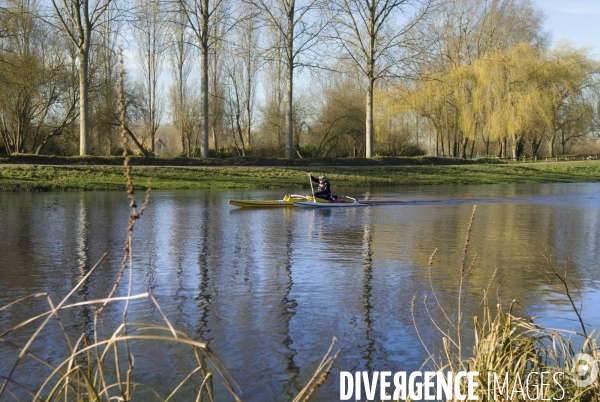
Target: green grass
(106,177)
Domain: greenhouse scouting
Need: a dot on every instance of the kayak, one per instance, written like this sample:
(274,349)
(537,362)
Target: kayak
(340,201)
(287,201)
(295,200)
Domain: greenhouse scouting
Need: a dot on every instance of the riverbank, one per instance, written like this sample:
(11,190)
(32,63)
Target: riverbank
(28,177)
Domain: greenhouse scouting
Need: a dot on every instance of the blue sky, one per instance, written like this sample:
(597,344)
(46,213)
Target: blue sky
(576,21)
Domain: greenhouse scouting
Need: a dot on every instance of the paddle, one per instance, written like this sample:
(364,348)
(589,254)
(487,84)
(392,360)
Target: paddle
(312,190)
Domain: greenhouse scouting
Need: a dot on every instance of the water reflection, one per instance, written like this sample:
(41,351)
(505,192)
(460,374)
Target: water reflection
(204,274)
(367,277)
(83,263)
(288,304)
(268,289)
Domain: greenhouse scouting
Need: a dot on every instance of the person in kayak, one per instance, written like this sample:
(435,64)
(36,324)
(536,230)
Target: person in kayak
(324,189)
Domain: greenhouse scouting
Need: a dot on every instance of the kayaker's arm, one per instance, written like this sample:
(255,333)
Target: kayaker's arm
(314,179)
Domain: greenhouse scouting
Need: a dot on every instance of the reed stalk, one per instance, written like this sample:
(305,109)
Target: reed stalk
(508,344)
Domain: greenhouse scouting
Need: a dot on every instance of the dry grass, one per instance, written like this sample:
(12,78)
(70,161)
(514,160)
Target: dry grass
(508,343)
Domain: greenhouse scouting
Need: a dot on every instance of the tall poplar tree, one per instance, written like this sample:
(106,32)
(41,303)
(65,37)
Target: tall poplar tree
(79,19)
(373,36)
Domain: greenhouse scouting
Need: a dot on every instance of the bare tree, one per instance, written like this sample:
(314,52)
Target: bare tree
(202,16)
(248,33)
(79,19)
(241,70)
(338,129)
(36,101)
(299,24)
(180,58)
(104,119)
(234,104)
(216,110)
(570,84)
(272,125)
(373,36)
(150,32)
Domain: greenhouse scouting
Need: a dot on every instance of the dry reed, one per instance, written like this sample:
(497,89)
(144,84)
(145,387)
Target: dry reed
(508,344)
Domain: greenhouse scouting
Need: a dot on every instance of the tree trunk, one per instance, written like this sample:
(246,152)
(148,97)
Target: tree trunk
(551,145)
(463,151)
(84,129)
(535,146)
(417,128)
(289,115)
(369,120)
(289,93)
(455,145)
(249,107)
(216,110)
(204,88)
(248,94)
(442,143)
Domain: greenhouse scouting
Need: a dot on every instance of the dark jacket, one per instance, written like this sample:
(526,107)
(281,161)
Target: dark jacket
(324,189)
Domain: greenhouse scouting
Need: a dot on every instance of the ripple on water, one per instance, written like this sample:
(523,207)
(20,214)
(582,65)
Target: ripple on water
(269,289)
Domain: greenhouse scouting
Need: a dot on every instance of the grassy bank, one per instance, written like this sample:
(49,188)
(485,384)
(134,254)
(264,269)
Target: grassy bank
(241,161)
(26,177)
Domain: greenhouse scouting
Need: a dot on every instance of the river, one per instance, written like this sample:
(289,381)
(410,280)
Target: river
(268,289)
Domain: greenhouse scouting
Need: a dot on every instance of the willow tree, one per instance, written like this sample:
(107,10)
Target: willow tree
(507,93)
(462,32)
(526,87)
(432,97)
(570,81)
(493,97)
(401,129)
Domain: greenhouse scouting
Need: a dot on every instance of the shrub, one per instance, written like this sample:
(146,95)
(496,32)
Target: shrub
(118,151)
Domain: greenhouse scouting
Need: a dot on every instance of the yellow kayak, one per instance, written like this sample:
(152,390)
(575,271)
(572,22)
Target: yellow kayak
(295,200)
(287,201)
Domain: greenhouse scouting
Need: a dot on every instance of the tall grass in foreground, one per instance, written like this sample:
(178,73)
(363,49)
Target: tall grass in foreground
(98,367)
(509,345)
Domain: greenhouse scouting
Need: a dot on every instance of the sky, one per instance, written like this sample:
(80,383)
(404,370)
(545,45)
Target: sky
(576,21)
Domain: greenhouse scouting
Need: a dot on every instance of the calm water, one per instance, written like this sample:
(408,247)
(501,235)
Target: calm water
(269,289)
